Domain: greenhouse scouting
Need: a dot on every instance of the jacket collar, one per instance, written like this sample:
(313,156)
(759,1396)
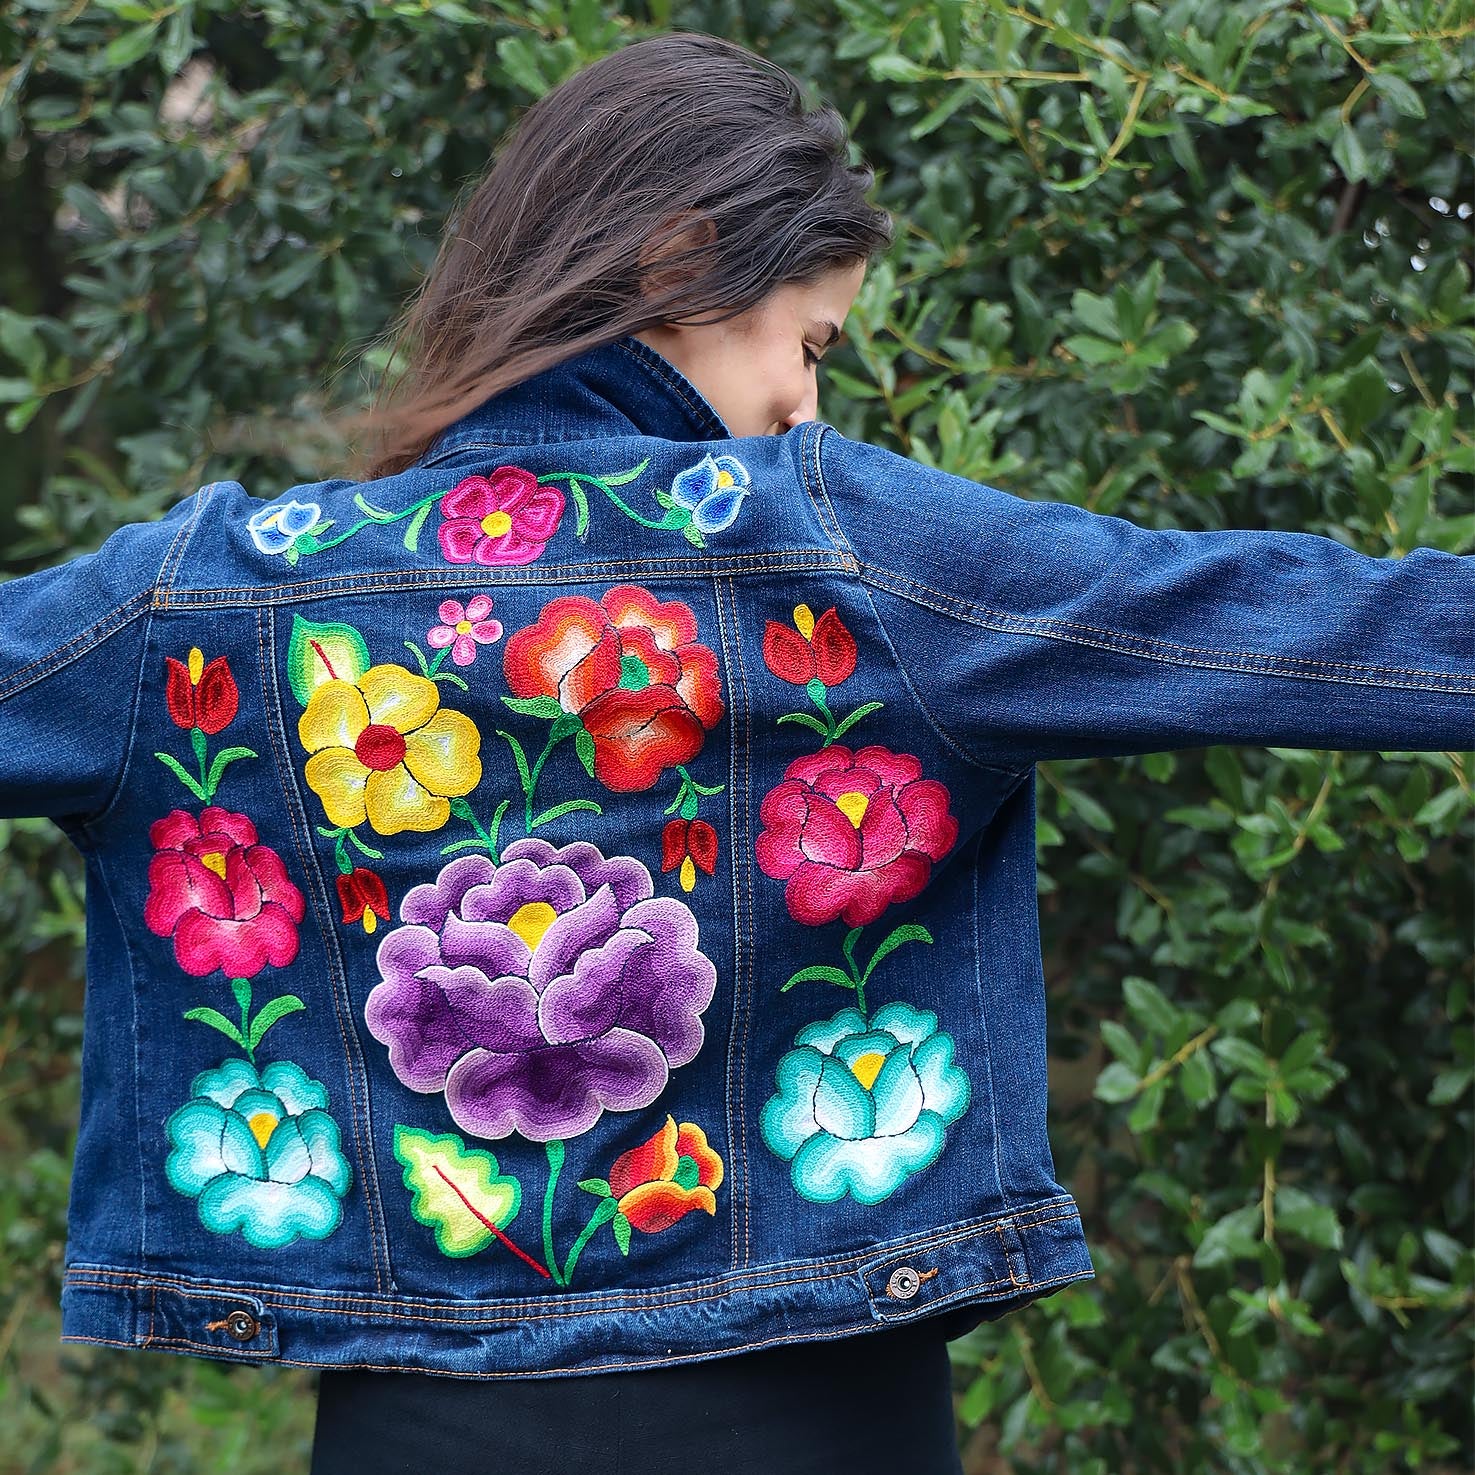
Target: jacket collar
(623,387)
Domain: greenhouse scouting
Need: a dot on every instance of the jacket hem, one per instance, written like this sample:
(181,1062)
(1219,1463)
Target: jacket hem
(994,1266)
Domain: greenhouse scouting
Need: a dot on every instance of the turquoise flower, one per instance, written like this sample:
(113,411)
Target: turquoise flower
(712,491)
(859,1107)
(260,1153)
(276,528)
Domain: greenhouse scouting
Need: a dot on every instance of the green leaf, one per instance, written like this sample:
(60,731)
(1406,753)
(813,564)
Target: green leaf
(819,973)
(216,1020)
(178,770)
(584,747)
(518,757)
(458,1191)
(911,932)
(534,706)
(567,807)
(1298,1213)
(320,651)
(598,1186)
(124,50)
(1150,1006)
(846,723)
(805,719)
(1116,1083)
(218,764)
(276,1009)
(1236,1236)
(412,528)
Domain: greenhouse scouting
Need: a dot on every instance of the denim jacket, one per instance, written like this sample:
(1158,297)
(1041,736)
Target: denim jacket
(571,904)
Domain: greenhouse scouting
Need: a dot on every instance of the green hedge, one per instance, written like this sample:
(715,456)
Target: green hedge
(1201,265)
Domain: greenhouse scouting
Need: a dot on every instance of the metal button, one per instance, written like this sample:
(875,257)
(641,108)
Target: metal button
(904,1282)
(242,1325)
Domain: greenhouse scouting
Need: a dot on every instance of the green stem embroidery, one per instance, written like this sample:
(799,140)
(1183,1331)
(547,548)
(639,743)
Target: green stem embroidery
(555,1167)
(604,1211)
(341,838)
(484,838)
(852,976)
(676,518)
(307,544)
(432,670)
(689,795)
(830,729)
(204,786)
(249,1033)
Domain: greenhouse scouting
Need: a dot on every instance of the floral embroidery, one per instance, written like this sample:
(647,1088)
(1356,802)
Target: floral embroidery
(712,491)
(461,1195)
(631,668)
(384,749)
(280,527)
(203,699)
(463,629)
(225,899)
(504,518)
(363,898)
(687,844)
(861,1106)
(851,833)
(259,1153)
(254,1147)
(817,655)
(864,1101)
(541,992)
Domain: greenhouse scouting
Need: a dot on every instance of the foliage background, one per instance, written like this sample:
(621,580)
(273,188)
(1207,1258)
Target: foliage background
(1200,265)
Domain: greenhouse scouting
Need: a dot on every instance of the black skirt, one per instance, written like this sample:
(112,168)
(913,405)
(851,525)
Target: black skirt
(871,1404)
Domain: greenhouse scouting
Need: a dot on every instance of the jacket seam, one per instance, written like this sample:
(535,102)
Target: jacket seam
(947,737)
(86,640)
(648,566)
(516,1307)
(905,587)
(354,1071)
(398,1312)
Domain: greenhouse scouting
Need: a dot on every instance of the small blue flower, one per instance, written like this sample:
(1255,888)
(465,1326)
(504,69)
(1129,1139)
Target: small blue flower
(712,491)
(276,528)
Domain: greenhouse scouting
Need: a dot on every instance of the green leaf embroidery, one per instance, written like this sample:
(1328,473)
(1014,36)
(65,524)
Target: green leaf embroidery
(216,1020)
(270,1013)
(458,1191)
(819,973)
(177,769)
(534,706)
(325,651)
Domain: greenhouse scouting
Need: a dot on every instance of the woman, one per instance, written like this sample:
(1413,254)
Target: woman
(718,712)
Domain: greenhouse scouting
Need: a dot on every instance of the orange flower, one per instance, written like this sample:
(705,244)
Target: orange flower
(666,1177)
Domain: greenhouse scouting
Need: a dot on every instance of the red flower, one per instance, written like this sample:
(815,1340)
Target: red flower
(363,898)
(632,668)
(226,901)
(199,695)
(685,841)
(853,832)
(822,649)
(507,517)
(666,1177)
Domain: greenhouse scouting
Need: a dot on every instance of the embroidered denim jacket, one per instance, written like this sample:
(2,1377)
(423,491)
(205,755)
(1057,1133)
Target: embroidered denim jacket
(571,904)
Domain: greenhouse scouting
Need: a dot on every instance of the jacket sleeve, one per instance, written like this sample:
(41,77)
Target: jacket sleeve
(1033,630)
(71,648)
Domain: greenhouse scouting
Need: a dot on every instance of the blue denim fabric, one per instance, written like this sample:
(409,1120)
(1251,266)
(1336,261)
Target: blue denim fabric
(648,970)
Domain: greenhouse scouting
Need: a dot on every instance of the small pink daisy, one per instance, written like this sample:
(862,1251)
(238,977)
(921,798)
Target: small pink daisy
(464,628)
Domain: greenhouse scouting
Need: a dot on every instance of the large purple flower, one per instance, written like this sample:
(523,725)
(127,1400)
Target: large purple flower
(542,991)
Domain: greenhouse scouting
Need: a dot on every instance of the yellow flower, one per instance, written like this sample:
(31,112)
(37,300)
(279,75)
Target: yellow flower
(383,749)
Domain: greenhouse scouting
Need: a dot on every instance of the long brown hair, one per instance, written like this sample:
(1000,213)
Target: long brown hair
(581,230)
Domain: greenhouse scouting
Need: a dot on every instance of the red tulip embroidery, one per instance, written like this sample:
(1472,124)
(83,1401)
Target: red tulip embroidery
(363,898)
(203,699)
(817,655)
(685,845)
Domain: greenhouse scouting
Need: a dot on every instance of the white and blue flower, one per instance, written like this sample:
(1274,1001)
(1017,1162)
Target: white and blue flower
(712,491)
(276,528)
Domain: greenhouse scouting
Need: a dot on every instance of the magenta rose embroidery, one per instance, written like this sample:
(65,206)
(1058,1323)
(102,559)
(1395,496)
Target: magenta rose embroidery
(225,899)
(851,833)
(540,992)
(507,517)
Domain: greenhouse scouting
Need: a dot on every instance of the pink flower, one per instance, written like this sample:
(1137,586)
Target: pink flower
(853,832)
(464,629)
(507,517)
(226,901)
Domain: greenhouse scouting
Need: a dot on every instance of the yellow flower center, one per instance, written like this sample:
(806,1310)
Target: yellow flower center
(531,920)
(688,874)
(725,479)
(262,1125)
(496,524)
(196,664)
(853,806)
(463,627)
(214,860)
(370,921)
(804,620)
(865,1068)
